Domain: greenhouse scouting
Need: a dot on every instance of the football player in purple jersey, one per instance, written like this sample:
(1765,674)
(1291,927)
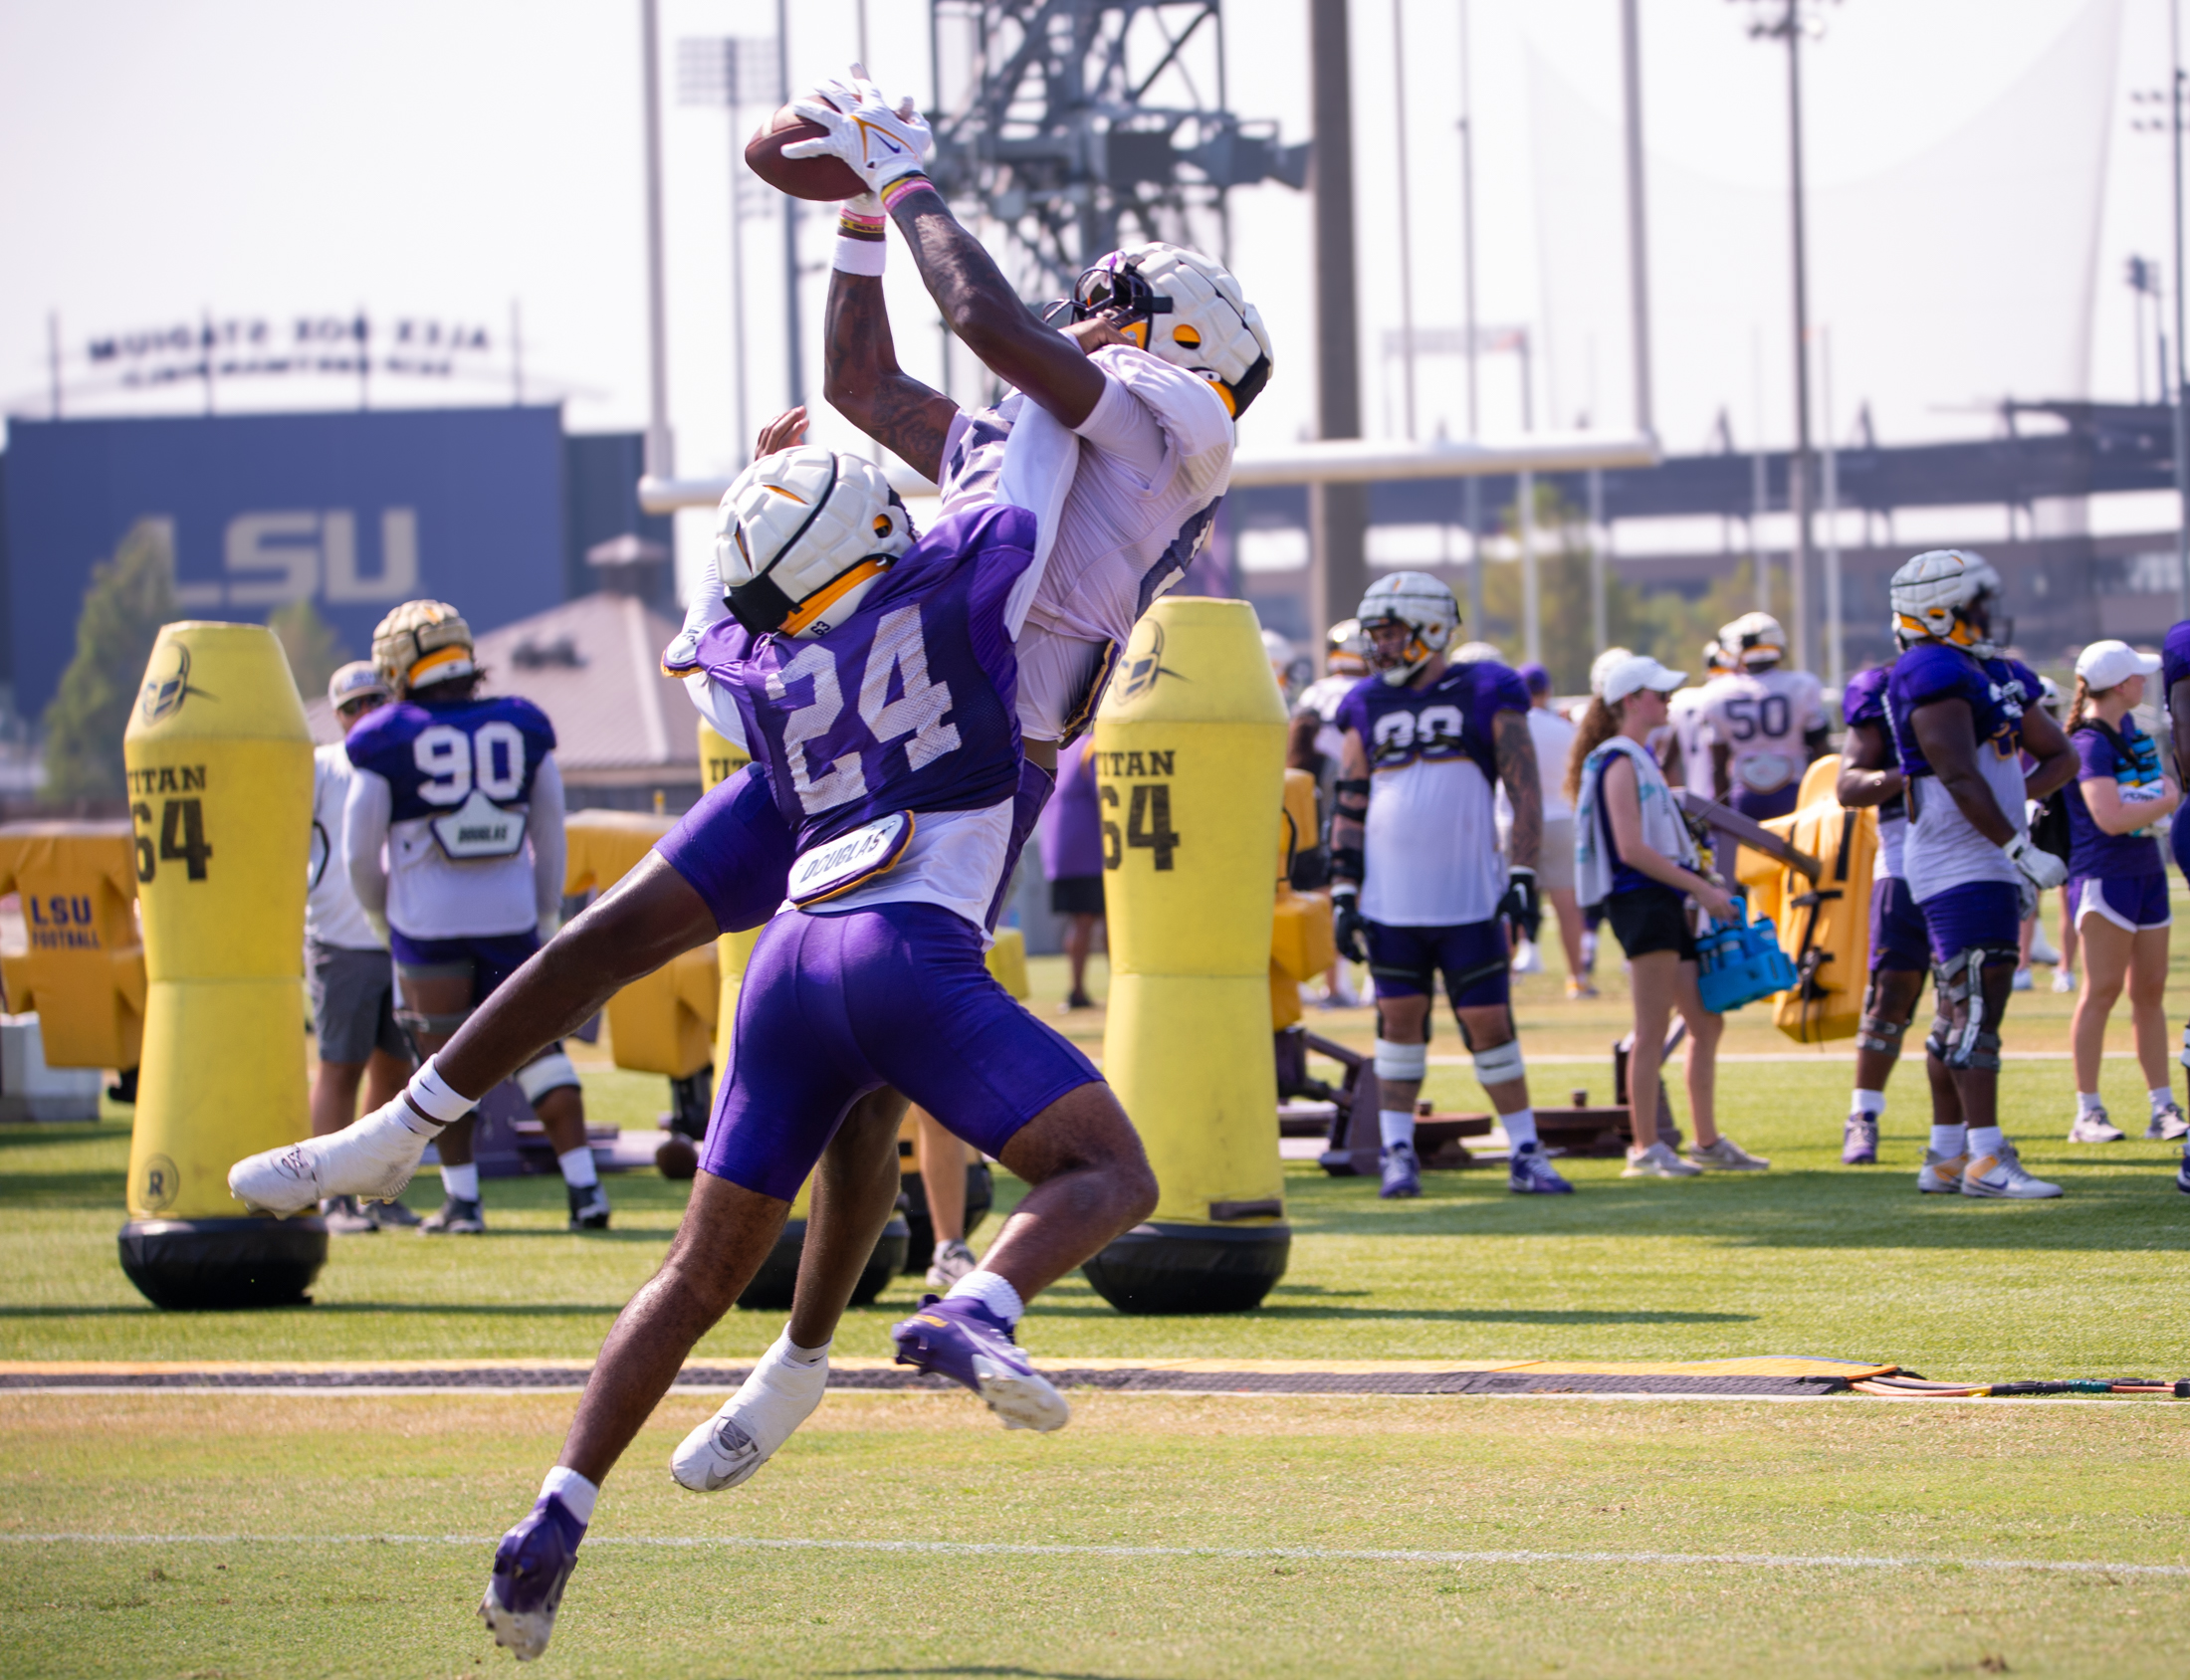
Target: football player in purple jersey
(1901,948)
(1419,886)
(1962,717)
(453,838)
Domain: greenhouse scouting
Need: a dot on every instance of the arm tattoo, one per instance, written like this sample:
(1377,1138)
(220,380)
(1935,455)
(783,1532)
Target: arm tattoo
(866,385)
(1517,750)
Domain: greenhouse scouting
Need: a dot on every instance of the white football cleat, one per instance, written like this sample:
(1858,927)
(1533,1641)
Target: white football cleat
(730,1447)
(2001,1176)
(372,1159)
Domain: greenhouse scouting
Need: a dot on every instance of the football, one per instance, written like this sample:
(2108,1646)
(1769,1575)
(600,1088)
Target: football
(675,1158)
(823,178)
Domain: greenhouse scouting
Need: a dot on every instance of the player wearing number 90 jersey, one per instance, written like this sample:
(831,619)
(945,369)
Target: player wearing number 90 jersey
(467,799)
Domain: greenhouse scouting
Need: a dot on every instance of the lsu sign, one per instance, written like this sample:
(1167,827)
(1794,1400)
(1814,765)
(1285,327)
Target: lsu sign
(352,511)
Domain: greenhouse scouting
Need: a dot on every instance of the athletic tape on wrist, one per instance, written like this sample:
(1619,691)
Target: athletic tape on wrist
(433,1095)
(903,187)
(860,256)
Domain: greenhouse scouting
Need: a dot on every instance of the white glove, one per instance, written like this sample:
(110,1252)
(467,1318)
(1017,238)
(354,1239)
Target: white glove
(2040,868)
(882,144)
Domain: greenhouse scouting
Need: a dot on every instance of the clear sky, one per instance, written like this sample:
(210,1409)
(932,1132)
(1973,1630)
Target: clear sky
(277,157)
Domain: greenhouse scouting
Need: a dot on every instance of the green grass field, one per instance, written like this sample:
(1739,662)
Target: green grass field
(1265,1504)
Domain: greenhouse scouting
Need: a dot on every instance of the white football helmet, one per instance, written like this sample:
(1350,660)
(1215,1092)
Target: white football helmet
(1714,659)
(1190,312)
(1347,650)
(1423,605)
(1755,640)
(421,643)
(801,535)
(1946,595)
(1601,665)
(1475,653)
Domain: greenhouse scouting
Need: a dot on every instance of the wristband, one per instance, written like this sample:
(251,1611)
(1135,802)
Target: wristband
(433,1095)
(856,255)
(904,187)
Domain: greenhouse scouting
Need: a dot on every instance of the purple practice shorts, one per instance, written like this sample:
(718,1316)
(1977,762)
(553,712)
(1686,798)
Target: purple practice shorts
(834,1006)
(492,958)
(1982,912)
(1473,956)
(735,849)
(1899,939)
(2131,901)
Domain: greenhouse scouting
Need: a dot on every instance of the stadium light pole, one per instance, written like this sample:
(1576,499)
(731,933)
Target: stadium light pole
(1474,350)
(661,457)
(1638,307)
(1790,26)
(1407,243)
(2174,381)
(793,339)
(1338,514)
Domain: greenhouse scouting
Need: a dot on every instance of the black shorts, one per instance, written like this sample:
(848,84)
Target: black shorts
(1649,918)
(1076,895)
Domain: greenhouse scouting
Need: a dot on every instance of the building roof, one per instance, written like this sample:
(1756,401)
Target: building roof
(593,665)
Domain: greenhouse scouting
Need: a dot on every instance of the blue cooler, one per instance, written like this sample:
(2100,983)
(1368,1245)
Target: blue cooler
(1741,962)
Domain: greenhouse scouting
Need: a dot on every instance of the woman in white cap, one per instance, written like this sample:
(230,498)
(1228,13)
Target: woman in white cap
(2117,883)
(1634,854)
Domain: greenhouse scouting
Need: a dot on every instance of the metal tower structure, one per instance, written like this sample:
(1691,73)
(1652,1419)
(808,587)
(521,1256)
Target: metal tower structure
(1076,125)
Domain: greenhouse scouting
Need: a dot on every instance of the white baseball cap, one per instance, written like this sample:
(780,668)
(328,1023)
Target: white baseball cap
(1636,672)
(2103,664)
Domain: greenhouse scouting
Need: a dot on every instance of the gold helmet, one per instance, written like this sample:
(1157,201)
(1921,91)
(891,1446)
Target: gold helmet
(423,642)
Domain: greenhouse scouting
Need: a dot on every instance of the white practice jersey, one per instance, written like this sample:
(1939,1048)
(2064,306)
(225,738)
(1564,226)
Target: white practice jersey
(1684,717)
(1760,718)
(332,914)
(1124,501)
(1322,697)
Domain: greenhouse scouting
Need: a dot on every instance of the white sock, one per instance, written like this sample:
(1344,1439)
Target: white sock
(2163,1098)
(460,1182)
(1868,1102)
(798,1355)
(1520,1126)
(435,1097)
(1947,1141)
(2086,1101)
(1398,1125)
(1985,1140)
(575,1492)
(577,1166)
(1589,953)
(992,1291)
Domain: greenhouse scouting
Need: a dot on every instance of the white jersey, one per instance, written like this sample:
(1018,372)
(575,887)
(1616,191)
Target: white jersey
(1684,717)
(332,914)
(1124,501)
(1892,864)
(1760,718)
(1321,696)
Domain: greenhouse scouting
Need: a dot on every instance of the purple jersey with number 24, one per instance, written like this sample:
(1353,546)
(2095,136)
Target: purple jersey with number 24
(909,705)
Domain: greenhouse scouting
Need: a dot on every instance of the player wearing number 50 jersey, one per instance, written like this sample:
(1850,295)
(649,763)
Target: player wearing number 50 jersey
(1766,724)
(453,831)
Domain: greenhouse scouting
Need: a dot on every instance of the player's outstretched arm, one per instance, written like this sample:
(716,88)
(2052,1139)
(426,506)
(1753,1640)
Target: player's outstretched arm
(985,315)
(1515,748)
(863,382)
(1869,775)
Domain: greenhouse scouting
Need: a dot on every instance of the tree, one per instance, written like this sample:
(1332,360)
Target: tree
(131,598)
(314,651)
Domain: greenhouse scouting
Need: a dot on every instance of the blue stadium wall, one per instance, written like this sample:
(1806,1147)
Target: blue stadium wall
(492,509)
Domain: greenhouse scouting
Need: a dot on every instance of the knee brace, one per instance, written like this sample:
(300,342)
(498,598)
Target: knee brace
(1500,1063)
(1402,1061)
(1960,987)
(550,1072)
(1877,1032)
(436,1026)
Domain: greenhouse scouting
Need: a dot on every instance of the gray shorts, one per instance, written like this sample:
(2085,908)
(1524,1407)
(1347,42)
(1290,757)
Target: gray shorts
(353,1003)
(1555,863)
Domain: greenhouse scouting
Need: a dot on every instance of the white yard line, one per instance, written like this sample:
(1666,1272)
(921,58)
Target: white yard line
(1003,1549)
